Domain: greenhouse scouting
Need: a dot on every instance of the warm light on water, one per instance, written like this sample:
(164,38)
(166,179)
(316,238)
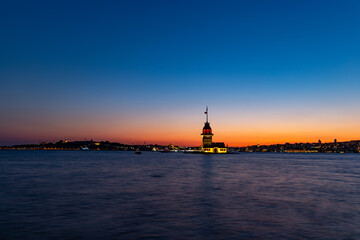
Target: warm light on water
(121,195)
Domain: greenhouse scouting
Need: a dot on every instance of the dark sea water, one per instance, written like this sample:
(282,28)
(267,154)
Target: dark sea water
(122,195)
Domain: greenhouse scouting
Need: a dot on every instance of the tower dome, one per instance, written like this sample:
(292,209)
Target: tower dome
(207,129)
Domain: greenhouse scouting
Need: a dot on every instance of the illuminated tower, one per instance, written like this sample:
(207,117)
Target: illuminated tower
(207,132)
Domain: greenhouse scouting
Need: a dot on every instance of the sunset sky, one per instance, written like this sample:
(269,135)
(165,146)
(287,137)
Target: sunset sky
(144,71)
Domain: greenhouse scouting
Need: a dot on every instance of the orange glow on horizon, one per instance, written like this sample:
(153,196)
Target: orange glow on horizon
(192,137)
(185,128)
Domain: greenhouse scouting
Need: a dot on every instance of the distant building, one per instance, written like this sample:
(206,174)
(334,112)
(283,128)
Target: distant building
(208,146)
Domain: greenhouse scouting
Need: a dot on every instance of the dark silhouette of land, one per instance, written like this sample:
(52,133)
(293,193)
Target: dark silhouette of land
(81,145)
(352,146)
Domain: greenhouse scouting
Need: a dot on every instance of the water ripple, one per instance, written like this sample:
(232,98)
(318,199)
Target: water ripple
(121,195)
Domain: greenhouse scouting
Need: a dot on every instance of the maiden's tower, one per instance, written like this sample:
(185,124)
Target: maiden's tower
(208,146)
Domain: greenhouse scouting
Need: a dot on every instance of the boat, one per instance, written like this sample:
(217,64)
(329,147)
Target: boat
(166,150)
(138,151)
(85,148)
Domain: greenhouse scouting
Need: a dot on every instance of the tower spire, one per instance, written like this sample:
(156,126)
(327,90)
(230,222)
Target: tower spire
(207,114)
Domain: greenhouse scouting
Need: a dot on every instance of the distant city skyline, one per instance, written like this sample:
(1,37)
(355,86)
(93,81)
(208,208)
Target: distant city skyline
(270,71)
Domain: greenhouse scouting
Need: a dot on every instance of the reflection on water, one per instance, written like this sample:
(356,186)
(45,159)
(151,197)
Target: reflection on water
(121,195)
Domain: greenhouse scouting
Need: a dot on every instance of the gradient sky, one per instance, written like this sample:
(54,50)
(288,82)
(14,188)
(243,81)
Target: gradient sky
(135,71)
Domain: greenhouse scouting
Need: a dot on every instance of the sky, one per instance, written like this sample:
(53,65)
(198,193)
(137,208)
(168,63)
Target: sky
(144,71)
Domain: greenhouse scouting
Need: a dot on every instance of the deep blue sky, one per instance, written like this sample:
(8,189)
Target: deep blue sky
(180,37)
(73,60)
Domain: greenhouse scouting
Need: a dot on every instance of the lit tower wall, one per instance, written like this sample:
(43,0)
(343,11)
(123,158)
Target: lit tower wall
(207,132)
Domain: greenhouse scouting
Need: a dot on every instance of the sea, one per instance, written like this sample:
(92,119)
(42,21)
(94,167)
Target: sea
(123,195)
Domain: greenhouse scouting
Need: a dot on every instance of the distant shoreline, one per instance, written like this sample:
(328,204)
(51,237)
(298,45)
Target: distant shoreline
(352,146)
(79,150)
